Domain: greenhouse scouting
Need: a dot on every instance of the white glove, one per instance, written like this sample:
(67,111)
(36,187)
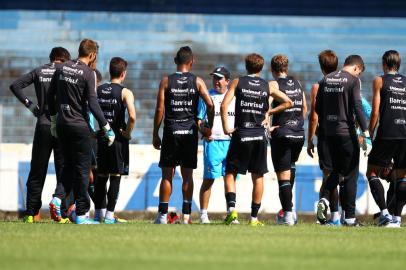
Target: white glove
(109,134)
(53,125)
(364,144)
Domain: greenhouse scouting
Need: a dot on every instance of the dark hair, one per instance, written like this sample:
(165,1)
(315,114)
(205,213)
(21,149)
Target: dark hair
(355,60)
(328,61)
(254,63)
(99,77)
(391,59)
(59,54)
(88,46)
(279,63)
(183,56)
(117,66)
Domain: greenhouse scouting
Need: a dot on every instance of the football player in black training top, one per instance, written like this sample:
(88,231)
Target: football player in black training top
(177,99)
(71,94)
(328,61)
(248,147)
(287,140)
(338,101)
(389,106)
(43,143)
(113,161)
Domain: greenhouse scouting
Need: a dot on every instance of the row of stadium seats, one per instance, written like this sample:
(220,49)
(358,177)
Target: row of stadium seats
(148,41)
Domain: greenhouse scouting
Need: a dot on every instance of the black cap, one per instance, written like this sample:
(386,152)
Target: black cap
(221,72)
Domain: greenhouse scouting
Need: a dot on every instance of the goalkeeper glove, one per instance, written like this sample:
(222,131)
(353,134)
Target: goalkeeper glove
(109,134)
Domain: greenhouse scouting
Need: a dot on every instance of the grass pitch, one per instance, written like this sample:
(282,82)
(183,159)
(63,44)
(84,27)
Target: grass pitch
(142,245)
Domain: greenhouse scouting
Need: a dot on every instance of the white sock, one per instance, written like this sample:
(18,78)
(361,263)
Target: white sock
(254,218)
(87,214)
(350,220)
(335,216)
(203,212)
(109,215)
(288,215)
(81,216)
(230,209)
(397,219)
(99,213)
(384,212)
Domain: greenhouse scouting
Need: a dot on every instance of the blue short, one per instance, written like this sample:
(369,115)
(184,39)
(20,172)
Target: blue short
(214,155)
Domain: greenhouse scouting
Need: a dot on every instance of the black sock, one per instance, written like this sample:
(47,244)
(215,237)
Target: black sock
(400,191)
(100,191)
(390,197)
(254,209)
(334,200)
(230,199)
(377,191)
(285,195)
(90,190)
(292,174)
(187,207)
(112,194)
(341,195)
(163,207)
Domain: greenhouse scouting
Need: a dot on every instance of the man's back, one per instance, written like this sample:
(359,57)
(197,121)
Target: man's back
(76,82)
(338,99)
(392,108)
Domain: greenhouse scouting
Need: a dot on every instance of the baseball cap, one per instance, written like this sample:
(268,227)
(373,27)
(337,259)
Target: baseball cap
(221,72)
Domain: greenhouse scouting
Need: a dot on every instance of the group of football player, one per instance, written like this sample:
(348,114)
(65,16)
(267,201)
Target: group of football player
(237,119)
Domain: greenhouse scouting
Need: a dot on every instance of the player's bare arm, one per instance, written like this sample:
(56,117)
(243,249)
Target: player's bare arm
(159,112)
(313,120)
(128,98)
(282,98)
(376,100)
(224,107)
(204,94)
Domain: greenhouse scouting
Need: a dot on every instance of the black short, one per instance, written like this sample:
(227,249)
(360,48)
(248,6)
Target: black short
(247,153)
(113,159)
(179,149)
(324,154)
(285,152)
(383,151)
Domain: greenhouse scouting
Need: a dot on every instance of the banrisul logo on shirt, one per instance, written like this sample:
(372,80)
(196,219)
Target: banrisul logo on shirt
(254,82)
(397,80)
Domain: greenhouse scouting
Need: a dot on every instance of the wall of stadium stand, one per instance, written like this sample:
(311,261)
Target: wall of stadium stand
(149,40)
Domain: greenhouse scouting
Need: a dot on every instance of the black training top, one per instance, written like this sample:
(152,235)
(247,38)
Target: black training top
(392,109)
(291,120)
(74,84)
(338,100)
(181,100)
(111,102)
(251,105)
(41,78)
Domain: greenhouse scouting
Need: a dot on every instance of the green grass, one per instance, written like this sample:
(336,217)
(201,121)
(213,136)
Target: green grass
(141,245)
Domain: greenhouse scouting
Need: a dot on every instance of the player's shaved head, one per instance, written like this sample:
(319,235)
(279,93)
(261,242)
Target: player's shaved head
(184,56)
